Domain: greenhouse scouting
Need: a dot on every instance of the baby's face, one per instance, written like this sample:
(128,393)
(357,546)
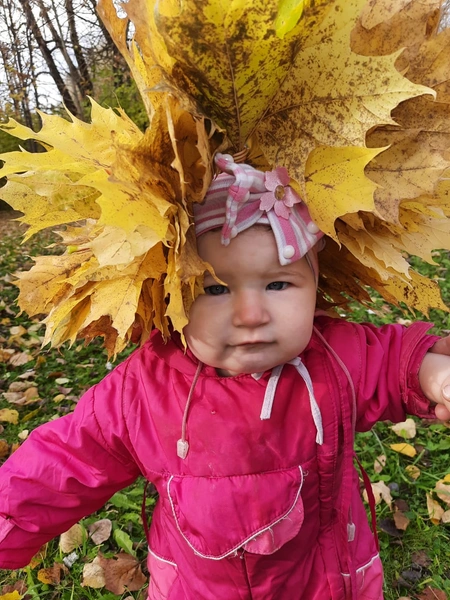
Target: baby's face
(263,317)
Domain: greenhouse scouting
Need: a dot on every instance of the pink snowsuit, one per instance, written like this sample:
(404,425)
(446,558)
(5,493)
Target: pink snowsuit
(257,510)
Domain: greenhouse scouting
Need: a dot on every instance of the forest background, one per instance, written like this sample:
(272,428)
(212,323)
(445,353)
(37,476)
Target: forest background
(55,53)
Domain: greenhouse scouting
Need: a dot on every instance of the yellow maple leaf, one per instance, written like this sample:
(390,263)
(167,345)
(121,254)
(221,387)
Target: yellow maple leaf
(385,27)
(235,66)
(331,96)
(336,184)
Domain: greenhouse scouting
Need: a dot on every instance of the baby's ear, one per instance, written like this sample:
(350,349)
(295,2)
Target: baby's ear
(442,346)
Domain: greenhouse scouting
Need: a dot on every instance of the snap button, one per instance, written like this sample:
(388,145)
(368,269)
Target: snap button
(312,227)
(288,251)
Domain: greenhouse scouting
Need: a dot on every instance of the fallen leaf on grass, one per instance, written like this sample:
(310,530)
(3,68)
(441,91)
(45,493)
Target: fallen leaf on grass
(446,517)
(19,359)
(29,396)
(406,429)
(5,354)
(442,489)
(405,449)
(421,558)
(19,587)
(93,575)
(38,557)
(4,448)
(52,575)
(59,398)
(11,596)
(430,593)
(71,539)
(8,415)
(122,573)
(388,526)
(19,386)
(13,397)
(413,471)
(401,520)
(435,510)
(381,492)
(28,373)
(380,463)
(100,531)
(17,331)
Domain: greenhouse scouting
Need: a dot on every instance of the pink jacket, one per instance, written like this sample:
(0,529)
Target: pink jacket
(257,510)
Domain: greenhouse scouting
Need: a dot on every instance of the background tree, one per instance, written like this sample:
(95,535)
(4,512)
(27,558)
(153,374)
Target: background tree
(58,51)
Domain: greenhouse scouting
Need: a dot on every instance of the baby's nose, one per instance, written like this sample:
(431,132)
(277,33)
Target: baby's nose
(250,310)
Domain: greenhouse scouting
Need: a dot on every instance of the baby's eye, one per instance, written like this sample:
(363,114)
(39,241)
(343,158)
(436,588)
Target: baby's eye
(216,290)
(277,285)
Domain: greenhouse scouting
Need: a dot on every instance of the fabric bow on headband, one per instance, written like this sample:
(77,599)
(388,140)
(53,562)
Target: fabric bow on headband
(242,196)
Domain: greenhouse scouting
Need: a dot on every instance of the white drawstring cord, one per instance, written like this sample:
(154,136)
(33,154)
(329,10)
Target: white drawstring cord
(183,444)
(269,395)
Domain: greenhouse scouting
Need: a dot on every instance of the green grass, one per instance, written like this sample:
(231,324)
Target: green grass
(413,560)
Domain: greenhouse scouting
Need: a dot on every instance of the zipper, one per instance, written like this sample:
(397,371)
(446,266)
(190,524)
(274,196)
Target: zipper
(242,556)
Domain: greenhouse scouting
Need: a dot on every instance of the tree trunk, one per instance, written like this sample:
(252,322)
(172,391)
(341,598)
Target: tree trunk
(52,67)
(85,82)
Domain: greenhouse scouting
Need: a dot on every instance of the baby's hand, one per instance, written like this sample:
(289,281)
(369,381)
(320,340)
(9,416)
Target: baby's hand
(434,377)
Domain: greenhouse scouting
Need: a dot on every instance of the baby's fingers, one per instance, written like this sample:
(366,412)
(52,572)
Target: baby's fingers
(442,412)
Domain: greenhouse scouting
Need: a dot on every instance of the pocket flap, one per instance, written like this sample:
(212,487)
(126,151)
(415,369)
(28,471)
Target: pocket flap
(218,515)
(5,527)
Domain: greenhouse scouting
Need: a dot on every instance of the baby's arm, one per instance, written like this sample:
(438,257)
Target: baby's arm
(434,377)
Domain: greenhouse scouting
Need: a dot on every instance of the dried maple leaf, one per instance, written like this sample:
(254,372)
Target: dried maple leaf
(122,572)
(100,531)
(430,593)
(380,463)
(435,510)
(442,489)
(405,429)
(93,575)
(52,575)
(71,539)
(401,520)
(384,27)
(381,492)
(4,448)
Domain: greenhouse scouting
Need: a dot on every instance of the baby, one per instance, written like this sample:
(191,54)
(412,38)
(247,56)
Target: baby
(248,433)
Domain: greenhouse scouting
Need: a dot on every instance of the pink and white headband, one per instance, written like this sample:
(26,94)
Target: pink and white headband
(242,196)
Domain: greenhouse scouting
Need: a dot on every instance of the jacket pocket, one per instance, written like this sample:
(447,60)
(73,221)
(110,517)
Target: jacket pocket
(369,580)
(163,574)
(217,516)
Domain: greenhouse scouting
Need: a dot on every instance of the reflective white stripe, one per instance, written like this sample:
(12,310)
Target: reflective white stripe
(366,566)
(252,537)
(164,560)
